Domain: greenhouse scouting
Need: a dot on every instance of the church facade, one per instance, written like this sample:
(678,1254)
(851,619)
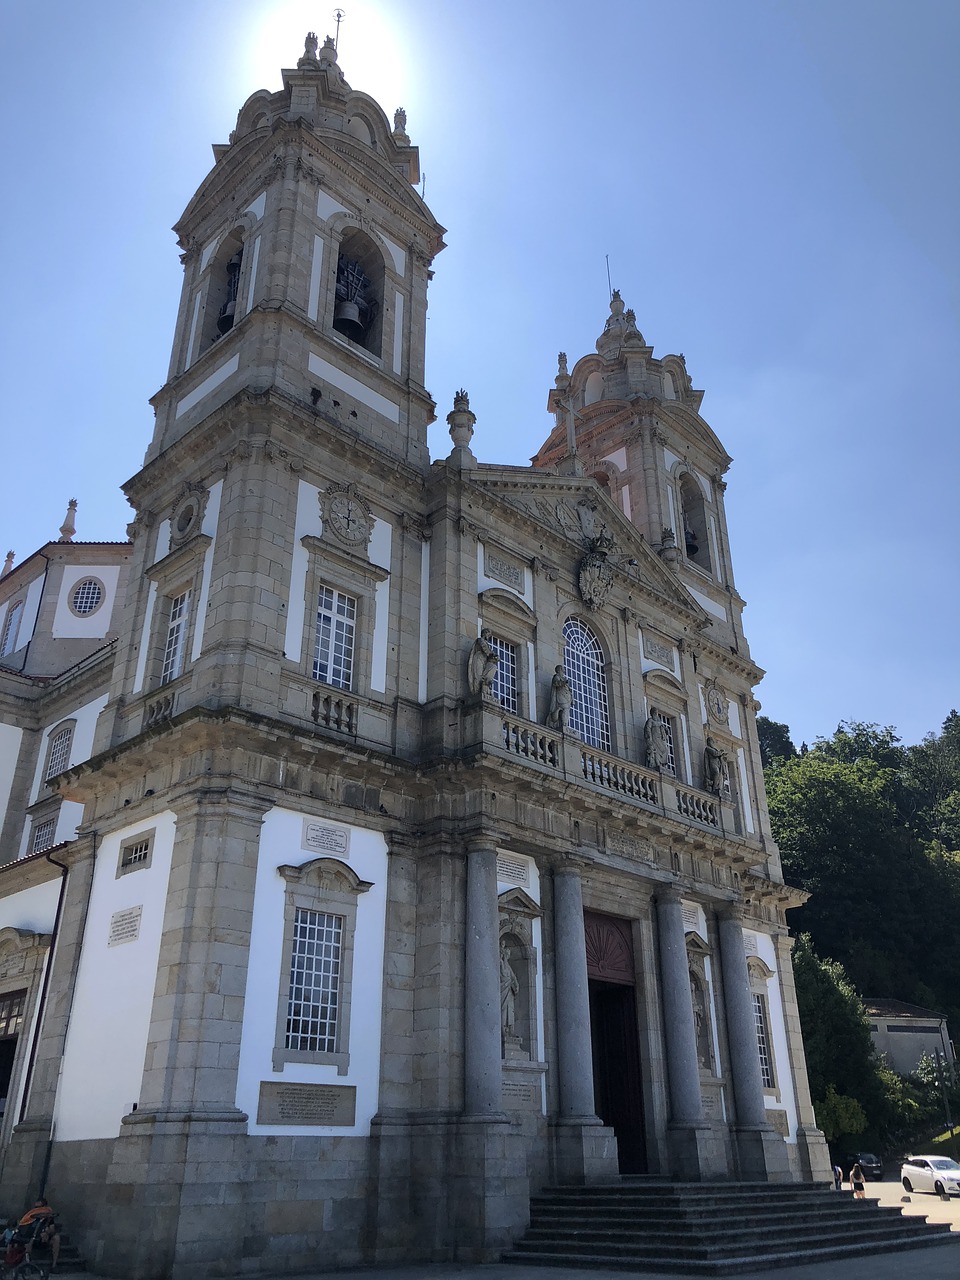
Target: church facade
(384,839)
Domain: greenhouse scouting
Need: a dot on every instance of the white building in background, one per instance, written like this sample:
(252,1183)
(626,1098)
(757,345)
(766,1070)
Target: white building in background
(384,839)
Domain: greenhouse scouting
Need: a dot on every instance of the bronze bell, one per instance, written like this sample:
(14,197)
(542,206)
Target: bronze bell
(346,320)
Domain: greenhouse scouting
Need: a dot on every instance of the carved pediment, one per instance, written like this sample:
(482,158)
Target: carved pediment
(517,902)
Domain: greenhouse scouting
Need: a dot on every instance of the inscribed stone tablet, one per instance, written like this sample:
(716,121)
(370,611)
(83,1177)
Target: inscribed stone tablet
(318,837)
(302,1104)
(124,926)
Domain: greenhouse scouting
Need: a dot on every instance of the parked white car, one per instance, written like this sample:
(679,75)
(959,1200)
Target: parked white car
(938,1174)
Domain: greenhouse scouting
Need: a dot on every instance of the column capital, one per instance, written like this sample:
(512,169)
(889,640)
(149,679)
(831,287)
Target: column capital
(570,864)
(482,842)
(667,893)
(732,911)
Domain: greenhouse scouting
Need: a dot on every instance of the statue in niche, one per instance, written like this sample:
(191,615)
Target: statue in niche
(656,743)
(483,665)
(700,1022)
(714,767)
(561,698)
(509,987)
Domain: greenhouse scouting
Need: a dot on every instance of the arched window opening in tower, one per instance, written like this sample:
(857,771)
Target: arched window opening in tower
(223,291)
(693,509)
(358,304)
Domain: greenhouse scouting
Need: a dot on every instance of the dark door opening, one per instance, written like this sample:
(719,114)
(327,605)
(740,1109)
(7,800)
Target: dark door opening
(616,1069)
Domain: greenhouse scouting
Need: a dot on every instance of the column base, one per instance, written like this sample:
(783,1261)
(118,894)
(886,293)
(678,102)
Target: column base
(585,1151)
(814,1155)
(696,1151)
(761,1154)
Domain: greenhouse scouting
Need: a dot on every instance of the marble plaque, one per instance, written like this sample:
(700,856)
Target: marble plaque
(514,870)
(124,926)
(510,575)
(658,652)
(319,837)
(322,1104)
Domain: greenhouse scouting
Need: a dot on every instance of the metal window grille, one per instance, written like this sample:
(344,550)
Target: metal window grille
(87,596)
(59,756)
(763,1041)
(583,666)
(505,681)
(176,637)
(313,1006)
(8,642)
(670,733)
(135,853)
(43,836)
(11,1013)
(336,631)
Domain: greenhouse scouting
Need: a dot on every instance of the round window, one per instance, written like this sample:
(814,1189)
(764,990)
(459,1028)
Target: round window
(87,597)
(185,518)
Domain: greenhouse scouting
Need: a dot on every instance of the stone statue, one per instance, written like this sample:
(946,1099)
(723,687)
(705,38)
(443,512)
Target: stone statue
(714,767)
(700,1023)
(656,743)
(509,986)
(562,370)
(561,696)
(483,665)
(400,120)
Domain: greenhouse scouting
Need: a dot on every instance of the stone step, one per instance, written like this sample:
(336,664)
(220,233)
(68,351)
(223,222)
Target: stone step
(769,1260)
(731,1233)
(650,1216)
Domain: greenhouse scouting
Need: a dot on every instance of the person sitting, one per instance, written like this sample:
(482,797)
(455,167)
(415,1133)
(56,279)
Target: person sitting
(39,1224)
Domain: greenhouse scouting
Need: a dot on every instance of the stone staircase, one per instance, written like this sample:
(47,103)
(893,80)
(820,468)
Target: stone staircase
(712,1229)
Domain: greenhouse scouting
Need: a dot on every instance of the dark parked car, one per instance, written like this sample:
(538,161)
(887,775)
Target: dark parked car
(871,1165)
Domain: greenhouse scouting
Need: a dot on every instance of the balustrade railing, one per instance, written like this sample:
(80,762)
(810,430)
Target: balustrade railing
(530,742)
(697,805)
(333,712)
(607,771)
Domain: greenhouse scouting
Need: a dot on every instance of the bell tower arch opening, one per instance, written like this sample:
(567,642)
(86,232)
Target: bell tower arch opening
(223,290)
(694,515)
(358,300)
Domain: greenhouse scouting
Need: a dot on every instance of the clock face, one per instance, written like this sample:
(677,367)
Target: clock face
(348,518)
(717,704)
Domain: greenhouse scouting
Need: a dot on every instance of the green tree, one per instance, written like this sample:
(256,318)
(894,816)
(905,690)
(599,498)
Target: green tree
(775,741)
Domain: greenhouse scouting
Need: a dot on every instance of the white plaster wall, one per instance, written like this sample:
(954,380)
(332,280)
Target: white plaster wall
(280,843)
(308,522)
(34,909)
(10,740)
(745,798)
(107,1037)
(733,718)
(211,517)
(397,331)
(778,1032)
(313,294)
(31,608)
(67,624)
(711,606)
(381,548)
(618,458)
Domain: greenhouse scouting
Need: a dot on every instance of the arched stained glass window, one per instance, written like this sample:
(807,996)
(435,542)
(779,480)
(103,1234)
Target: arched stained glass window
(583,666)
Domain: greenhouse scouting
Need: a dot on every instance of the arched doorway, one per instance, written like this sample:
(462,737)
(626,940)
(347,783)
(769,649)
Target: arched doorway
(615,1036)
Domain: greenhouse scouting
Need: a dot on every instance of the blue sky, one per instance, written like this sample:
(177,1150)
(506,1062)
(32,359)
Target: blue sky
(776,186)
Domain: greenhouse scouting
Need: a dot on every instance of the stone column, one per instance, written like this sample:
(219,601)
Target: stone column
(761,1151)
(574,1048)
(683,1067)
(741,1021)
(483,1075)
(812,1149)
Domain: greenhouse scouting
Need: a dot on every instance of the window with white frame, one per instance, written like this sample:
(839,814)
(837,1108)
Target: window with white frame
(584,668)
(43,834)
(763,1040)
(320,923)
(505,686)
(176,639)
(58,753)
(11,628)
(335,638)
(670,739)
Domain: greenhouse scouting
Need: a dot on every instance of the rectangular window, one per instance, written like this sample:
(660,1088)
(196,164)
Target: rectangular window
(313,1005)
(505,681)
(11,627)
(763,1041)
(336,631)
(669,731)
(59,756)
(43,835)
(173,649)
(11,1014)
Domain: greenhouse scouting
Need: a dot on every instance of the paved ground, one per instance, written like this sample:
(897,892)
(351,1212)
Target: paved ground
(939,1262)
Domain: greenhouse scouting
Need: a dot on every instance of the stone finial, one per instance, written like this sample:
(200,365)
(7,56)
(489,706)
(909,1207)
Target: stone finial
(461,421)
(7,564)
(562,379)
(69,526)
(309,58)
(668,552)
(400,126)
(329,51)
